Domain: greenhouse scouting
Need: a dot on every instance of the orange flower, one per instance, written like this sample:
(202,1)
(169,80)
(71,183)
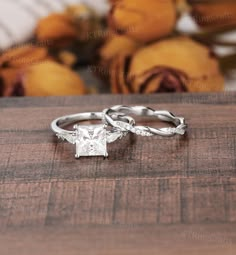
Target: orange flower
(214,14)
(26,75)
(12,64)
(57,80)
(114,46)
(23,56)
(57,30)
(172,65)
(144,21)
(8,82)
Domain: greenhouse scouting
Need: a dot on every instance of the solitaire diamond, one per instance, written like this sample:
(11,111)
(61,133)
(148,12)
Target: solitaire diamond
(91,141)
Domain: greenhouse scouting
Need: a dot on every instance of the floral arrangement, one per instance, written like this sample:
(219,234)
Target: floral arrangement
(139,47)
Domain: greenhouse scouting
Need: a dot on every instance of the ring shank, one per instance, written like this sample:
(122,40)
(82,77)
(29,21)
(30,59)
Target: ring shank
(70,119)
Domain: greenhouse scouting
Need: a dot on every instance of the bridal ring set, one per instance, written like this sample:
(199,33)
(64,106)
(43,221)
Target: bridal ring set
(91,140)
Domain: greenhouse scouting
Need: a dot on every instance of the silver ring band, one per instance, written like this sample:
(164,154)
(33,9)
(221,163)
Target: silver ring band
(66,120)
(166,116)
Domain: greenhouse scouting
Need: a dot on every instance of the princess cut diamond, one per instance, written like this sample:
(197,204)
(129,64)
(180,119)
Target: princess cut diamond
(91,141)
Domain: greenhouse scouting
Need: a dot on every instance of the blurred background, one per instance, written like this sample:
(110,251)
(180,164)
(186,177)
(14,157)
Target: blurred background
(78,47)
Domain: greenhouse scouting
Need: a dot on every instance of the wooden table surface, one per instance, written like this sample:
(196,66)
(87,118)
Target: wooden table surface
(153,195)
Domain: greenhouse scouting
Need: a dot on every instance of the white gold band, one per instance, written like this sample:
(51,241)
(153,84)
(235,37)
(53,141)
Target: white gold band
(179,122)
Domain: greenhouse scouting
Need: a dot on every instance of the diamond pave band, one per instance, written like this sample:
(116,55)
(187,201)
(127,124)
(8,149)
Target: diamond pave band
(90,140)
(179,122)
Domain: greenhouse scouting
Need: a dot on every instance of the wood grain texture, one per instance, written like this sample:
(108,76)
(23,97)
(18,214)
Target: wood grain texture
(150,193)
(214,239)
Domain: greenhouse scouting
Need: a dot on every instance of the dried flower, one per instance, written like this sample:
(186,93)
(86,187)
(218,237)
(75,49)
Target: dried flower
(144,21)
(172,65)
(57,29)
(13,62)
(67,58)
(57,80)
(9,85)
(23,56)
(86,20)
(112,48)
(118,75)
(214,14)
(116,45)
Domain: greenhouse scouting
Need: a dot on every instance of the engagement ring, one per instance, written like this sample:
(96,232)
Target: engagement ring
(90,140)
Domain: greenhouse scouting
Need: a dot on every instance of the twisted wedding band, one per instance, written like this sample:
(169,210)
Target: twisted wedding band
(166,116)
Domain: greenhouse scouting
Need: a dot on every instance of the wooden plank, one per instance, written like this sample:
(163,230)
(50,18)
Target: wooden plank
(169,200)
(149,193)
(29,150)
(204,239)
(226,98)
